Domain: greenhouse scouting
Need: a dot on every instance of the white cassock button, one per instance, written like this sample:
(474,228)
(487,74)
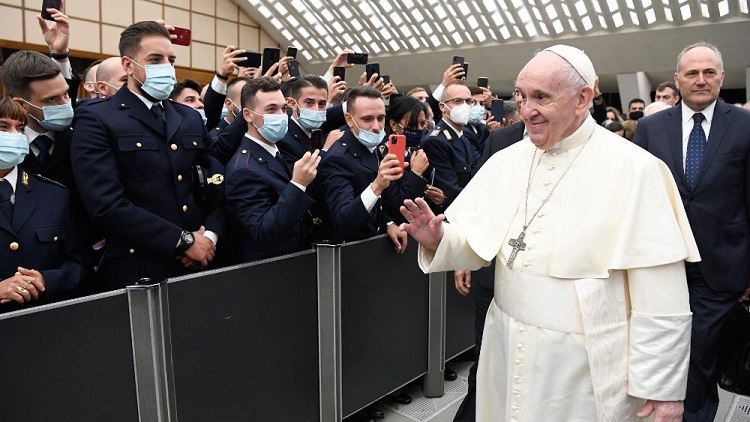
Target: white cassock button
(536,231)
(547,183)
(526,264)
(550,168)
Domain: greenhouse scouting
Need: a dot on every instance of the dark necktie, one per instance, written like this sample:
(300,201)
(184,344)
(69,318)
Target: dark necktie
(6,206)
(695,148)
(44,143)
(158,111)
(281,160)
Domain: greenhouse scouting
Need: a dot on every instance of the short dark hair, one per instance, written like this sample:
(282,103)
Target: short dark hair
(292,87)
(130,38)
(88,69)
(636,100)
(181,85)
(403,106)
(360,91)
(10,109)
(662,86)
(475,90)
(253,86)
(24,67)
(615,126)
(510,110)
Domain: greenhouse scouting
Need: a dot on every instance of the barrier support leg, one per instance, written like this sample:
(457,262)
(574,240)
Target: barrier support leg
(329,332)
(433,383)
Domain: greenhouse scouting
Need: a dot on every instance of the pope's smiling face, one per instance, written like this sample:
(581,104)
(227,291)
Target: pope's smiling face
(551,106)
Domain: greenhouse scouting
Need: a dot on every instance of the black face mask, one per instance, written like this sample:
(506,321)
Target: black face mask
(413,137)
(635,115)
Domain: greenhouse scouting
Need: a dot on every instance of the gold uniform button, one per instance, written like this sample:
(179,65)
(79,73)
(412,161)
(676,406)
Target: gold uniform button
(195,143)
(132,251)
(174,147)
(13,246)
(184,208)
(244,151)
(54,239)
(138,144)
(179,178)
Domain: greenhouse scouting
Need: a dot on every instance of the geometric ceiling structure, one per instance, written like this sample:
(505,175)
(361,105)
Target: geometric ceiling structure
(395,27)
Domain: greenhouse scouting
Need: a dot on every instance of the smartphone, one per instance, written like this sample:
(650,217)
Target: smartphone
(183,36)
(356,58)
(339,71)
(50,4)
(386,79)
(371,69)
(271,56)
(316,139)
(397,145)
(497,110)
(293,68)
(483,82)
(458,60)
(465,65)
(292,52)
(252,59)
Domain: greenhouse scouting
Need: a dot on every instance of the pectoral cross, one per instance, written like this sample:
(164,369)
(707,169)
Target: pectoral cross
(518,245)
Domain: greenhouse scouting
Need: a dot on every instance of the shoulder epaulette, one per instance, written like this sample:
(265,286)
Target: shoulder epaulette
(96,101)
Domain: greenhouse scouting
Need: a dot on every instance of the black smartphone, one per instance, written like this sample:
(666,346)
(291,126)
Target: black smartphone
(50,4)
(291,52)
(465,65)
(356,58)
(386,79)
(293,68)
(458,60)
(316,139)
(497,110)
(483,82)
(371,69)
(252,59)
(339,71)
(270,57)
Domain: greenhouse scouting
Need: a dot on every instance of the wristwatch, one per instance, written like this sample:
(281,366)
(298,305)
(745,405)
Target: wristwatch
(186,241)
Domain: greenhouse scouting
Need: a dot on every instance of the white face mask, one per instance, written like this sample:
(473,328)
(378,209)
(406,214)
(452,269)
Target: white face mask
(460,114)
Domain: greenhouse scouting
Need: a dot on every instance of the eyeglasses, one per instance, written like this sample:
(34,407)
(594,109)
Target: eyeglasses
(459,101)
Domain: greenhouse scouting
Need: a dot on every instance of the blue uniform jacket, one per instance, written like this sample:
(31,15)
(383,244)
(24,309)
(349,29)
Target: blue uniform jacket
(263,203)
(136,183)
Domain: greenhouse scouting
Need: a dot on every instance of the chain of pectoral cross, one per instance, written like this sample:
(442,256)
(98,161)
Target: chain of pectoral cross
(518,244)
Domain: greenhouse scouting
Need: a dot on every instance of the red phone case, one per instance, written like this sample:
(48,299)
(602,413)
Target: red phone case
(397,145)
(183,36)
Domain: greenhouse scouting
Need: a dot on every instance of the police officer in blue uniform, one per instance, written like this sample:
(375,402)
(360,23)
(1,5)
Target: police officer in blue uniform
(135,157)
(39,256)
(361,190)
(454,160)
(476,131)
(267,199)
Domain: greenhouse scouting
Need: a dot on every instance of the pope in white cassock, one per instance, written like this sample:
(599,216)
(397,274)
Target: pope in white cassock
(591,314)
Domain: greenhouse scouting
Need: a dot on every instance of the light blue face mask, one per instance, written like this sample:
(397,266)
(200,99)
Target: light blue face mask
(14,146)
(369,139)
(202,112)
(476,114)
(274,126)
(56,117)
(311,119)
(160,80)
(224,112)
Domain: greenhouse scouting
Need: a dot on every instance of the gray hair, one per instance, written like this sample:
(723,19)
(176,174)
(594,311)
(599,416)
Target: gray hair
(700,44)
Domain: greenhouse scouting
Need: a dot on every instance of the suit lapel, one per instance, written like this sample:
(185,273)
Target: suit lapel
(719,125)
(368,159)
(138,110)
(674,138)
(174,120)
(263,157)
(25,203)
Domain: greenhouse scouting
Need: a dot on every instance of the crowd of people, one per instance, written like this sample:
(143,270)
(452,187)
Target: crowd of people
(152,178)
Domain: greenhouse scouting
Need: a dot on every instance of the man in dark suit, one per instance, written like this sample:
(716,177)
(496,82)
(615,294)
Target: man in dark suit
(231,102)
(706,144)
(476,130)
(134,156)
(454,160)
(39,260)
(361,190)
(265,197)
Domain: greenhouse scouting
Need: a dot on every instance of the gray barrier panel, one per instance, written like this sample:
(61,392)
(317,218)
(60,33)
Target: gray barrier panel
(245,342)
(460,330)
(69,361)
(384,311)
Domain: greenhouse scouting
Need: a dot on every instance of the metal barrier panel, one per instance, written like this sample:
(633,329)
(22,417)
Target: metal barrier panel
(245,342)
(460,330)
(384,320)
(71,360)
